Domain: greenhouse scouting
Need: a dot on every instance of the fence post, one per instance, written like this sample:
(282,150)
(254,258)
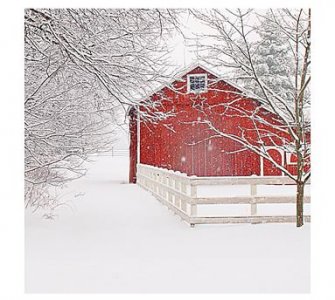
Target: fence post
(156,183)
(177,197)
(183,203)
(193,206)
(169,193)
(165,191)
(159,184)
(253,192)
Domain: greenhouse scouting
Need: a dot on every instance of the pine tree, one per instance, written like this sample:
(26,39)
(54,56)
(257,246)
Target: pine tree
(273,60)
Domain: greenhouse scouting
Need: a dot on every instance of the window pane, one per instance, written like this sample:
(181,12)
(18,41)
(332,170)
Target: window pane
(197,83)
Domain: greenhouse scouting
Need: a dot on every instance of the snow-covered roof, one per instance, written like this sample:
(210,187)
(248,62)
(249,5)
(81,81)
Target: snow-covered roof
(180,73)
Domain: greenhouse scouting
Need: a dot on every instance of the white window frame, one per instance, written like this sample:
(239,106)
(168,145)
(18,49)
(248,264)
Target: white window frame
(288,159)
(189,83)
(267,148)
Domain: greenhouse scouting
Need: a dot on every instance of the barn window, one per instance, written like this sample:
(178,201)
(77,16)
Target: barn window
(291,158)
(197,83)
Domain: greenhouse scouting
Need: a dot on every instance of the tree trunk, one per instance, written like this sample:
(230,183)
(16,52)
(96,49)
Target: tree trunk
(300,204)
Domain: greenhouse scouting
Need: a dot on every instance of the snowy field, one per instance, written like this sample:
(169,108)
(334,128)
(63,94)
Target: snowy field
(115,237)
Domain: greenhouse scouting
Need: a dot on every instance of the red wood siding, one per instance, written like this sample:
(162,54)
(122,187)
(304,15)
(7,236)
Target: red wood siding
(191,147)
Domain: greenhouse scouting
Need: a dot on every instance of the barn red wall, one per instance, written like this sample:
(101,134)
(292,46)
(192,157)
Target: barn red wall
(192,148)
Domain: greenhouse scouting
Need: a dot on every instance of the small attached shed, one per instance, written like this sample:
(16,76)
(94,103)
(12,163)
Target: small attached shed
(184,141)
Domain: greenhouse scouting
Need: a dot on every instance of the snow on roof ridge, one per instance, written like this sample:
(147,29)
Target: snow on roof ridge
(188,69)
(191,67)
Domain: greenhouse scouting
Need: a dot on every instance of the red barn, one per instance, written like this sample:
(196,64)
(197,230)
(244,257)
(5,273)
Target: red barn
(199,106)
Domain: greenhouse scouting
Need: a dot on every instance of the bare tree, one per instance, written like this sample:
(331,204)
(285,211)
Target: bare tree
(82,68)
(269,54)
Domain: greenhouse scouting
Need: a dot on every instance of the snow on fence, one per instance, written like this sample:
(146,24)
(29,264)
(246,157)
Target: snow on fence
(180,193)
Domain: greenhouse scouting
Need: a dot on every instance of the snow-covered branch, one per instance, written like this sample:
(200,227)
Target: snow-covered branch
(83,68)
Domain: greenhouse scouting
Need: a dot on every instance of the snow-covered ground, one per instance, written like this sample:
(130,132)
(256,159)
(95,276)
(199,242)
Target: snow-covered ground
(115,237)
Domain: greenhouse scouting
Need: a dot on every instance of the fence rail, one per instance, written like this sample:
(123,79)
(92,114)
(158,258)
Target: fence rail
(115,152)
(179,193)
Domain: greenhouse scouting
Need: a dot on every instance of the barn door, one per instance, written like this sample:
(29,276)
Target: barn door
(269,169)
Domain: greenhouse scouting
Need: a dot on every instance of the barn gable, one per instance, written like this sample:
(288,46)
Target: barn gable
(179,86)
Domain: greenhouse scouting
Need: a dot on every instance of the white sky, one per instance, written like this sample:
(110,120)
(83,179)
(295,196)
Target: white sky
(182,54)
(184,50)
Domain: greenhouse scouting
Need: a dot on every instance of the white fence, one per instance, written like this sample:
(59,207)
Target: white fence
(179,193)
(115,152)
